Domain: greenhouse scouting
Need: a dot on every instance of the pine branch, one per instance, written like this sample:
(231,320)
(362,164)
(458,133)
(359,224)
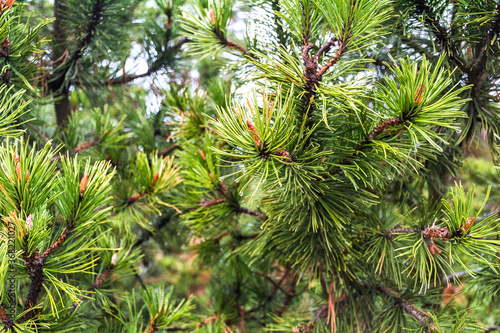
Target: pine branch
(210,203)
(96,285)
(80,148)
(152,327)
(456,275)
(336,57)
(383,127)
(441,35)
(277,285)
(390,234)
(409,308)
(34,265)
(151,70)
(379,129)
(40,133)
(60,241)
(147,234)
(250,212)
(169,149)
(86,145)
(227,43)
(278,22)
(95,18)
(292,283)
(326,47)
(6,320)
(477,71)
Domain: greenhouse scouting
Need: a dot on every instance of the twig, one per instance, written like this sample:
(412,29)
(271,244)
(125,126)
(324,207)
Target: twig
(460,274)
(442,35)
(383,127)
(96,285)
(226,42)
(58,242)
(289,296)
(40,133)
(390,233)
(80,148)
(409,308)
(169,149)
(277,285)
(250,212)
(492,328)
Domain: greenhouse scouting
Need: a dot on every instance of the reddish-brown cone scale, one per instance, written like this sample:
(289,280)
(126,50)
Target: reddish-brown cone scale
(469,223)
(254,132)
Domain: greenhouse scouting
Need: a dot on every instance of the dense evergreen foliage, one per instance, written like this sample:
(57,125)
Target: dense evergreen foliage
(328,168)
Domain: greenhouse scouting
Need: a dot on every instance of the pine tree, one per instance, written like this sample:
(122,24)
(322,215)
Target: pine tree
(305,175)
(346,169)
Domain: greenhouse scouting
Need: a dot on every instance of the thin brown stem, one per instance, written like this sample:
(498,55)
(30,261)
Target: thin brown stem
(226,42)
(409,308)
(64,236)
(96,285)
(169,150)
(250,212)
(398,231)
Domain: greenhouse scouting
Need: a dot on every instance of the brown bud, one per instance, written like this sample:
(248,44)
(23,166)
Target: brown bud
(469,223)
(433,248)
(29,222)
(212,17)
(16,157)
(114,258)
(133,198)
(83,184)
(18,171)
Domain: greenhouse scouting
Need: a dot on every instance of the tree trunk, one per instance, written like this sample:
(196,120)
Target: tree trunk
(62,108)
(61,105)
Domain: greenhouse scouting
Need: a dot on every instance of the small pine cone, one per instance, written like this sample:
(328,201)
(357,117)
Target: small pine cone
(436,232)
(212,17)
(29,222)
(83,184)
(114,258)
(284,153)
(16,157)
(18,171)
